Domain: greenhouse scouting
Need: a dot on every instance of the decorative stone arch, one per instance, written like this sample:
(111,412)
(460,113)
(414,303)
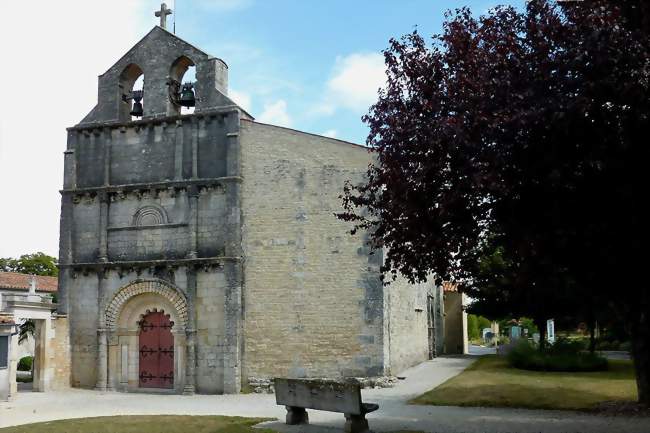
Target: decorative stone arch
(150,215)
(127,79)
(177,71)
(139,287)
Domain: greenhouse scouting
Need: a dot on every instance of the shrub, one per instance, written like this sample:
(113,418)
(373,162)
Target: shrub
(626,346)
(25,363)
(561,356)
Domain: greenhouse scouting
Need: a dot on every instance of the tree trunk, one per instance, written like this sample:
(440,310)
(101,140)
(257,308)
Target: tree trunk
(641,355)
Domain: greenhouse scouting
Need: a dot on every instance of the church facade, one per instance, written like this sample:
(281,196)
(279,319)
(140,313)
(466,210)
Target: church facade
(200,252)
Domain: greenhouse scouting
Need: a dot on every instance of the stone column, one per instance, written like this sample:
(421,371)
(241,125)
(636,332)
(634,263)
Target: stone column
(193,197)
(102,334)
(102,360)
(178,150)
(103,226)
(111,341)
(190,362)
(108,137)
(190,333)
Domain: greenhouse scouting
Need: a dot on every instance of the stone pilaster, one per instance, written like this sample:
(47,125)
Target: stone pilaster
(193,198)
(108,137)
(190,332)
(232,356)
(178,151)
(103,227)
(190,364)
(102,360)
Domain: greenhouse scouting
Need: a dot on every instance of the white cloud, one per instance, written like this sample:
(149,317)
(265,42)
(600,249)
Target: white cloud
(355,82)
(331,133)
(243,99)
(276,114)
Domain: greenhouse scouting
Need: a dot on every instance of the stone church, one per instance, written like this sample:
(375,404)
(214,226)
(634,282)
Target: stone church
(200,252)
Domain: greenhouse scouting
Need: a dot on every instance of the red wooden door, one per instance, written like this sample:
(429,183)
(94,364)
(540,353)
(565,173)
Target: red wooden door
(156,351)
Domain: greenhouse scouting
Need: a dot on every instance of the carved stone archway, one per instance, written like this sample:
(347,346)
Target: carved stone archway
(139,287)
(118,338)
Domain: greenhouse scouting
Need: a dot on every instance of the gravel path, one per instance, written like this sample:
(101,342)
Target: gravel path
(393,415)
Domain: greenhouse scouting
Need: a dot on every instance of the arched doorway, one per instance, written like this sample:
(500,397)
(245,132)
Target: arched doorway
(151,313)
(156,342)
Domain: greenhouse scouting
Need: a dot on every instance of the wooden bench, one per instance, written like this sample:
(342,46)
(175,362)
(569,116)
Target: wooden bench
(297,395)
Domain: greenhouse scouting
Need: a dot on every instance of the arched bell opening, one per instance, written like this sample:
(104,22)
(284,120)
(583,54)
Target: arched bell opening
(131,93)
(181,82)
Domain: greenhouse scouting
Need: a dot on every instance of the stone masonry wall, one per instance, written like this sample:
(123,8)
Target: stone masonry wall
(210,331)
(57,366)
(313,302)
(83,318)
(408,323)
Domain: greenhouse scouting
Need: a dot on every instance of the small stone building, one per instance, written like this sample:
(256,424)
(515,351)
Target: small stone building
(16,283)
(51,345)
(200,252)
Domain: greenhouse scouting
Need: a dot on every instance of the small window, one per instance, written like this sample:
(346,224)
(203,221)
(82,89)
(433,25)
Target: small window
(4,351)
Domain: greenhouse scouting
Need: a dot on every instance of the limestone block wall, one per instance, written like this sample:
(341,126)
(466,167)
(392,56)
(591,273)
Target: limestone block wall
(407,323)
(313,302)
(210,331)
(211,232)
(86,233)
(59,348)
(83,318)
(52,354)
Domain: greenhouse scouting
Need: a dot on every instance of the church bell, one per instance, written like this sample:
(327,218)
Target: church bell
(137,110)
(187,98)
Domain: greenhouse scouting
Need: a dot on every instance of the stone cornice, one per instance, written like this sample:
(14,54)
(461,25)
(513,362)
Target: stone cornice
(147,227)
(138,266)
(143,123)
(163,185)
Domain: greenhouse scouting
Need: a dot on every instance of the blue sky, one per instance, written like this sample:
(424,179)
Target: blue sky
(310,65)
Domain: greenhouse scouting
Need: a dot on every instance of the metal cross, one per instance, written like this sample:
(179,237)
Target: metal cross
(162,13)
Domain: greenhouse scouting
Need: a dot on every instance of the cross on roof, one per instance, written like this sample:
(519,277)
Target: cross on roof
(162,13)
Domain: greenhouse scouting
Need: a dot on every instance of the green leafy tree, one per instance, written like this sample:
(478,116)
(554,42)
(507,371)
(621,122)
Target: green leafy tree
(472,327)
(34,264)
(520,139)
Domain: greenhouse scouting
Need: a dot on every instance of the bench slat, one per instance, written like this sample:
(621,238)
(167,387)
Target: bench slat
(320,395)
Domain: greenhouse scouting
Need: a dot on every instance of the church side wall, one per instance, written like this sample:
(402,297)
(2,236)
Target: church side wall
(407,323)
(312,295)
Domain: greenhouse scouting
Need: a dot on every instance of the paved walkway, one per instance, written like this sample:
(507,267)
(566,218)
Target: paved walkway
(481,350)
(394,414)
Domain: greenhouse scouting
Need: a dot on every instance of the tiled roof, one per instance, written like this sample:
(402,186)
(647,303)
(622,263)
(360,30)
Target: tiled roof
(6,320)
(15,280)
(448,286)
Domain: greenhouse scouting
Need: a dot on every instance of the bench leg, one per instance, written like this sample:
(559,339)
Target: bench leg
(356,424)
(297,415)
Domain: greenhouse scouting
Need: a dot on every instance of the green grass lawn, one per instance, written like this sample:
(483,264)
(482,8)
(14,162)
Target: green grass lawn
(490,382)
(145,424)
(148,424)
